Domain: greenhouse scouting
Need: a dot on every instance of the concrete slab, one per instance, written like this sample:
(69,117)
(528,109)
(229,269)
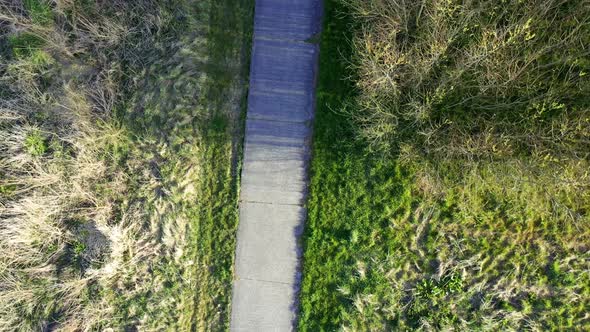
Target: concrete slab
(287,19)
(273,253)
(275,162)
(283,66)
(273,152)
(260,306)
(277,133)
(277,106)
(276,190)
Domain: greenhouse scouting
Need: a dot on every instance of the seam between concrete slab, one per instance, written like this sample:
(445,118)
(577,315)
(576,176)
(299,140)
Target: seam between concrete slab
(271,203)
(283,91)
(257,118)
(297,41)
(269,281)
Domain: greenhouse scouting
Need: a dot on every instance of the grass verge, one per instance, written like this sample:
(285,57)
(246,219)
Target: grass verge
(411,233)
(120,127)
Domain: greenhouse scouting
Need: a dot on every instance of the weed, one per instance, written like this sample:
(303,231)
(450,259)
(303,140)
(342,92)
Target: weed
(35,143)
(39,11)
(24,44)
(79,248)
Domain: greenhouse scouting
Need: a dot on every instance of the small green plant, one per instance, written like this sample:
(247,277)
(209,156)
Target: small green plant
(52,248)
(452,283)
(24,44)
(429,289)
(35,143)
(7,190)
(434,290)
(39,11)
(40,59)
(78,248)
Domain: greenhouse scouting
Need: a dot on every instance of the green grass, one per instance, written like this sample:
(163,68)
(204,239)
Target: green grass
(25,44)
(39,11)
(400,238)
(349,191)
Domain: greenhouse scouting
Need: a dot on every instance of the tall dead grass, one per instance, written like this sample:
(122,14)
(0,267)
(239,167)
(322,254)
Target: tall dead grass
(83,217)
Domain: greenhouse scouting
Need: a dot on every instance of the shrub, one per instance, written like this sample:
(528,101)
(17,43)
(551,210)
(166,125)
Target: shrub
(474,80)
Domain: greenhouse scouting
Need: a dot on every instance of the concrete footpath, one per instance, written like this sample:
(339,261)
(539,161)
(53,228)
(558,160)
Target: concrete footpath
(281,106)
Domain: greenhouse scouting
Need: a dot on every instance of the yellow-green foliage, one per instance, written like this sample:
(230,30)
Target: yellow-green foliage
(24,44)
(35,143)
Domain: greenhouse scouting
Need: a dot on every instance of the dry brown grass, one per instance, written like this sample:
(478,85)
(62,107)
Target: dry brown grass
(95,220)
(53,213)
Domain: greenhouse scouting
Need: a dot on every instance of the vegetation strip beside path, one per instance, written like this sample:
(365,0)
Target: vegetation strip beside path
(120,134)
(449,181)
(276,154)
